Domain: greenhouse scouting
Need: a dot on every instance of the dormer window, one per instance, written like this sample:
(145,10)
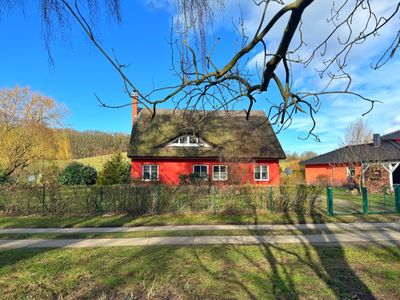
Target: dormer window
(188,141)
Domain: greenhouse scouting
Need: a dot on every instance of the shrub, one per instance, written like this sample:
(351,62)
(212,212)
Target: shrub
(323,180)
(49,175)
(115,171)
(3,176)
(78,174)
(301,199)
(189,179)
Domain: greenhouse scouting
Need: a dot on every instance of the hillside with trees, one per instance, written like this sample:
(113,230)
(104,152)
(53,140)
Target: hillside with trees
(32,136)
(94,143)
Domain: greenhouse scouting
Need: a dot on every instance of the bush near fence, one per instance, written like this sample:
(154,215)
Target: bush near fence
(140,200)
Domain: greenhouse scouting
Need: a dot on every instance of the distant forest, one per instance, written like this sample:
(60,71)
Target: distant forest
(93,143)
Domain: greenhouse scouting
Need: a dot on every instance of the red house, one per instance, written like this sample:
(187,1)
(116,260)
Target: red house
(376,165)
(222,147)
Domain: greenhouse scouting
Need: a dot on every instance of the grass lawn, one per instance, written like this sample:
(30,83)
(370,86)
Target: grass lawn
(96,162)
(207,272)
(184,219)
(345,202)
(161,233)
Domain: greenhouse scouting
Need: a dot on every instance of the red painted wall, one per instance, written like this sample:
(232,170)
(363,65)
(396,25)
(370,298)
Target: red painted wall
(337,174)
(170,169)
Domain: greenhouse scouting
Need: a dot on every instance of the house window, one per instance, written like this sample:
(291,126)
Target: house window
(200,171)
(220,172)
(261,173)
(150,172)
(351,171)
(376,174)
(188,141)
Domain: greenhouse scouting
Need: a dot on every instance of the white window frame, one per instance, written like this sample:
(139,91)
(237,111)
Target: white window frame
(260,171)
(184,141)
(202,166)
(348,171)
(151,166)
(219,172)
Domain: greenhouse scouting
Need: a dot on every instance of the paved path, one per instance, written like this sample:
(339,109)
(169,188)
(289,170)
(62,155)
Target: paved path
(328,226)
(387,237)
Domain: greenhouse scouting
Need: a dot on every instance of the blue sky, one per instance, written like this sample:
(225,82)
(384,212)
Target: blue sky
(141,41)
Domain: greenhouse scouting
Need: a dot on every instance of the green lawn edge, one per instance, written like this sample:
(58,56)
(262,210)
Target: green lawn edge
(208,272)
(184,219)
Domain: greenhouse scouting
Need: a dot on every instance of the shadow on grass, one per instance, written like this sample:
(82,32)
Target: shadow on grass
(274,277)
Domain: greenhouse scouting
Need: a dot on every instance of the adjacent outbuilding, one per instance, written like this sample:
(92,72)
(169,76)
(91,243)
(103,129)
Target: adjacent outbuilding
(374,165)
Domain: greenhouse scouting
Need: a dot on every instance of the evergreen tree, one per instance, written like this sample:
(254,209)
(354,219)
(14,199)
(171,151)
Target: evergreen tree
(115,171)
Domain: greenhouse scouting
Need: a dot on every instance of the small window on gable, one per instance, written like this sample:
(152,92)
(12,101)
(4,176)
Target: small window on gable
(188,141)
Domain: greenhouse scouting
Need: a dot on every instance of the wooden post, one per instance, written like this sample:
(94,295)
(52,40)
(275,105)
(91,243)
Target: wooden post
(391,168)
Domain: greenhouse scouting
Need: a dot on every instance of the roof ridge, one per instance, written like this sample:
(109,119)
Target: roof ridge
(387,135)
(323,154)
(232,112)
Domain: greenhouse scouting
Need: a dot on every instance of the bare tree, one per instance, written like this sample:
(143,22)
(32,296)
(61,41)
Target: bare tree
(204,84)
(361,159)
(357,132)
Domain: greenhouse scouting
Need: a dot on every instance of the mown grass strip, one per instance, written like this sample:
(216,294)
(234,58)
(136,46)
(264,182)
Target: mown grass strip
(160,233)
(184,219)
(208,272)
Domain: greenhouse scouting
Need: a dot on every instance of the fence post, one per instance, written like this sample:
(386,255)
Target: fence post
(43,198)
(397,198)
(365,200)
(101,204)
(271,204)
(329,201)
(215,200)
(158,199)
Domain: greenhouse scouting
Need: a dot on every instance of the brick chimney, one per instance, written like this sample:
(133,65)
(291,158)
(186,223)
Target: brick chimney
(135,109)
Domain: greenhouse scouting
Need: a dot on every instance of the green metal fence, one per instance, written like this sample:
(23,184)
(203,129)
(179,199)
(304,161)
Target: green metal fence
(344,201)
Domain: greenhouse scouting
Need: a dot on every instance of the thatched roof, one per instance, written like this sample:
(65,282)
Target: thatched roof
(229,134)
